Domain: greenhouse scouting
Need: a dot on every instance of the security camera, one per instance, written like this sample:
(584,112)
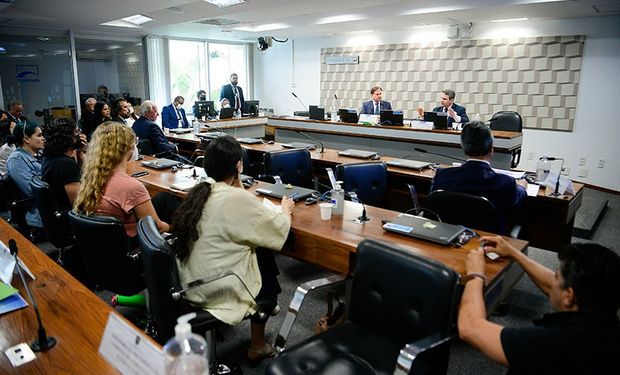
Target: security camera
(264,43)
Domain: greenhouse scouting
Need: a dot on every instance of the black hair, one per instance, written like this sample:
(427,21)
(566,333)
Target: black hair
(221,157)
(21,130)
(115,108)
(476,139)
(59,137)
(99,119)
(451,94)
(5,131)
(593,271)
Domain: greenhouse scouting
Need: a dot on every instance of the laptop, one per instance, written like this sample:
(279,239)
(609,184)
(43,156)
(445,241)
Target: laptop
(406,163)
(201,175)
(317,113)
(180,130)
(227,113)
(439,119)
(161,163)
(249,141)
(211,135)
(348,115)
(309,146)
(280,190)
(426,229)
(391,118)
(362,154)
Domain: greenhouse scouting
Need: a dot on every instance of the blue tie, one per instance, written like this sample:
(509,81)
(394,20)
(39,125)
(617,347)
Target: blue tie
(376,108)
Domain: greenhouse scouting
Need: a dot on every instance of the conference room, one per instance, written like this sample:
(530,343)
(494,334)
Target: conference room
(299,70)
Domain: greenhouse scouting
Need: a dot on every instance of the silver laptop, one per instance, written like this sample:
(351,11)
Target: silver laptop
(161,163)
(309,146)
(280,190)
(249,141)
(406,163)
(181,130)
(426,229)
(362,154)
(211,135)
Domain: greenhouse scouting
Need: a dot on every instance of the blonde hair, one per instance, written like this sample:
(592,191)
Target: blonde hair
(109,144)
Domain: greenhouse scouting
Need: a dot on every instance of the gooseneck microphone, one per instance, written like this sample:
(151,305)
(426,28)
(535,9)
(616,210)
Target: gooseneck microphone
(363,217)
(43,342)
(313,138)
(438,154)
(556,193)
(302,103)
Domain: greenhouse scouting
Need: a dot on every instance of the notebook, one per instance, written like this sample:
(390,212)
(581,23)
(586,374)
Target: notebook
(426,229)
(227,113)
(161,163)
(280,190)
(309,146)
(249,141)
(362,154)
(406,163)
(181,130)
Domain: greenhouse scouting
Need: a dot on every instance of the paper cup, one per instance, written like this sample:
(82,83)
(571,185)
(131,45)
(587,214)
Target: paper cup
(326,211)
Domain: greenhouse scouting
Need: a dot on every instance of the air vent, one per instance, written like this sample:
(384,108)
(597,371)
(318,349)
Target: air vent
(218,22)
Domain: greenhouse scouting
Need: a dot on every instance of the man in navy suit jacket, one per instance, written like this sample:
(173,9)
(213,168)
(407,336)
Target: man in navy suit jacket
(233,93)
(370,107)
(173,115)
(476,177)
(456,113)
(146,128)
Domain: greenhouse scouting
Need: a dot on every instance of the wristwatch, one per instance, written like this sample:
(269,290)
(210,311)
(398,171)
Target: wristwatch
(473,275)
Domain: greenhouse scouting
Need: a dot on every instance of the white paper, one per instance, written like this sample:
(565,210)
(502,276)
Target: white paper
(367,118)
(426,125)
(532,190)
(566,185)
(128,350)
(514,174)
(272,206)
(7,264)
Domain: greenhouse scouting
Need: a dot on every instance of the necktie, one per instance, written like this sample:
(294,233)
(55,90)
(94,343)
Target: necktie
(179,119)
(376,108)
(237,101)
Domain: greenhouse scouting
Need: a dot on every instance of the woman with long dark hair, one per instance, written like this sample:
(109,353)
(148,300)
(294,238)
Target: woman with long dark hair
(101,115)
(225,228)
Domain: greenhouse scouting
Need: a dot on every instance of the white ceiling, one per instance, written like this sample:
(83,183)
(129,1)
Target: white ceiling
(301,18)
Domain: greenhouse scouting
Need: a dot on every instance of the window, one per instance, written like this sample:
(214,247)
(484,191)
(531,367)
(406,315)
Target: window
(186,69)
(224,60)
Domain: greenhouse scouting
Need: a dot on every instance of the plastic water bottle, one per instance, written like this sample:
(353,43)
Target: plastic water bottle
(338,199)
(542,168)
(186,352)
(196,126)
(334,115)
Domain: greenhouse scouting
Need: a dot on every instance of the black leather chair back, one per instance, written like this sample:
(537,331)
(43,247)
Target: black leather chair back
(145,147)
(104,245)
(293,166)
(55,222)
(18,206)
(469,210)
(411,296)
(506,120)
(368,180)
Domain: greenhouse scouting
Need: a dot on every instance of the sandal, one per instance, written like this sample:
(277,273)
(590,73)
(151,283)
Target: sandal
(255,356)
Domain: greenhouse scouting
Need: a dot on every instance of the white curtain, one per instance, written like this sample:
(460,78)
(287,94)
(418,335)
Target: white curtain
(157,71)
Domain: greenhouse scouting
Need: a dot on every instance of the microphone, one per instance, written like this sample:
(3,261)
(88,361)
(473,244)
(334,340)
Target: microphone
(337,103)
(314,139)
(438,154)
(353,196)
(43,342)
(556,193)
(302,103)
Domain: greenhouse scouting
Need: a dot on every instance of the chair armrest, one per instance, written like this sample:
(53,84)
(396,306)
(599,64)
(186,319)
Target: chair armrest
(178,294)
(411,351)
(296,302)
(16,202)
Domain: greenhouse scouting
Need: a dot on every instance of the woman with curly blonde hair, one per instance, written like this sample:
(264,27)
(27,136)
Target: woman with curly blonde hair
(106,188)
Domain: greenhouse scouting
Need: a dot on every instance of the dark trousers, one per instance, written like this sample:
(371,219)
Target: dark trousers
(267,297)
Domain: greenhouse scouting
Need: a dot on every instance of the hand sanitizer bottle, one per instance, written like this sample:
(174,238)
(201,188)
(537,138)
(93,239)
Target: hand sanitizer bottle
(338,199)
(186,352)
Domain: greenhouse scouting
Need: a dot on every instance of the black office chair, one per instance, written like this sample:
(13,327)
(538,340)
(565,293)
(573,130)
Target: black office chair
(508,121)
(367,180)
(145,147)
(402,316)
(107,254)
(165,293)
(18,206)
(465,209)
(293,166)
(55,221)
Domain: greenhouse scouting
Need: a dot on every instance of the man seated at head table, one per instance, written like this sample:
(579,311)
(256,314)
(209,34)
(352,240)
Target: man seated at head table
(476,177)
(456,113)
(581,337)
(173,115)
(376,104)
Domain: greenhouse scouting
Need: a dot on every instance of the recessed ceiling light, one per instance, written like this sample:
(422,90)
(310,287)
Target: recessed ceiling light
(510,20)
(266,27)
(131,21)
(225,3)
(341,18)
(431,10)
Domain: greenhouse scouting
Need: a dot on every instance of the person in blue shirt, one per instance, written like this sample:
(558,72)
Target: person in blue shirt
(23,164)
(173,115)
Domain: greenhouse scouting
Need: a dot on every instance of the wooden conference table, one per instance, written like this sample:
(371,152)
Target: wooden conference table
(332,244)
(71,313)
(547,220)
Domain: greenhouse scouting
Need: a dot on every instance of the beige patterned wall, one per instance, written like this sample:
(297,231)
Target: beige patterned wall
(537,77)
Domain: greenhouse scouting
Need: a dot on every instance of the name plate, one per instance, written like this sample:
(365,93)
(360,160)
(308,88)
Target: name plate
(128,350)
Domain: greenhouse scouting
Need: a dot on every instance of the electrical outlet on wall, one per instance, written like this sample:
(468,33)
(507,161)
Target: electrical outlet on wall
(600,163)
(530,156)
(582,161)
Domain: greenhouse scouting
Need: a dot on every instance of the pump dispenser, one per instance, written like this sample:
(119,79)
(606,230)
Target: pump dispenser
(186,352)
(337,199)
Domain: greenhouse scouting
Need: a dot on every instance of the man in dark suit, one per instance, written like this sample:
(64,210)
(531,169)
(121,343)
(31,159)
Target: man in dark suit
(233,93)
(173,115)
(146,128)
(476,177)
(14,114)
(120,111)
(456,113)
(375,105)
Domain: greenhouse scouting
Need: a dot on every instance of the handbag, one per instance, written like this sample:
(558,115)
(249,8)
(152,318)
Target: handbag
(333,315)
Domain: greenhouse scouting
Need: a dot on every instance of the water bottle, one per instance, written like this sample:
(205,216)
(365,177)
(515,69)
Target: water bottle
(238,114)
(542,168)
(334,115)
(338,199)
(186,352)
(196,126)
